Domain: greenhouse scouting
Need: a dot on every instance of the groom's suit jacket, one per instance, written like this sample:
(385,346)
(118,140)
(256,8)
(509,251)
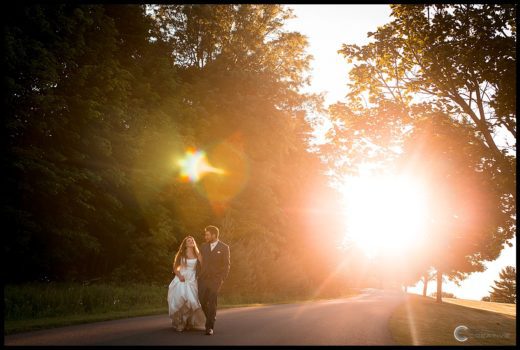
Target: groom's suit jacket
(215,264)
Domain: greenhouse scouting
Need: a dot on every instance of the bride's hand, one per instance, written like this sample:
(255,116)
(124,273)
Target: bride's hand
(197,251)
(181,278)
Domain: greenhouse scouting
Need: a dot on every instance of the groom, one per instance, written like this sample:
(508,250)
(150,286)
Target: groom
(214,270)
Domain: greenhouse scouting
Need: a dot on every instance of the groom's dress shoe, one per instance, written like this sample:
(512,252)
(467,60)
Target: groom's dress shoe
(209,331)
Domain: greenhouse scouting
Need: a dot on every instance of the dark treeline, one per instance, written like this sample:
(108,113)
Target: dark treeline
(103,99)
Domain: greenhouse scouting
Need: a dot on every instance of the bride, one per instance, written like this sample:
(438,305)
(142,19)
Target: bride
(183,302)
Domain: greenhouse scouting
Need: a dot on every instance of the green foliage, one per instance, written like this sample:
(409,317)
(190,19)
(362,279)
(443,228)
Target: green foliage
(40,300)
(504,290)
(457,59)
(104,98)
(427,97)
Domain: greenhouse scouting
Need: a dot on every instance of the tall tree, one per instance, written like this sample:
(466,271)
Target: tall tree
(467,222)
(244,72)
(504,290)
(82,89)
(60,91)
(426,278)
(450,62)
(104,98)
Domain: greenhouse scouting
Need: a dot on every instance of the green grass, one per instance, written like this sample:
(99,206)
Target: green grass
(38,306)
(422,321)
(44,300)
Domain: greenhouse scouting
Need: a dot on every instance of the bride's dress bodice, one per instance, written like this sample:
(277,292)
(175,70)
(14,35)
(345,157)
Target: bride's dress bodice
(188,270)
(190,264)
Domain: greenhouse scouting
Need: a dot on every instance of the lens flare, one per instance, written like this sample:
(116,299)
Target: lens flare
(221,190)
(195,165)
(228,158)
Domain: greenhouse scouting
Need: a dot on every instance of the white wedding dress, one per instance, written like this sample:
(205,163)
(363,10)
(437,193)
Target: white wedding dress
(183,300)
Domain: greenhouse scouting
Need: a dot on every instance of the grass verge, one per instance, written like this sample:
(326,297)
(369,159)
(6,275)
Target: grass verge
(34,307)
(421,321)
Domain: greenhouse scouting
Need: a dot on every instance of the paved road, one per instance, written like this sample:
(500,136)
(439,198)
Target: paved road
(359,320)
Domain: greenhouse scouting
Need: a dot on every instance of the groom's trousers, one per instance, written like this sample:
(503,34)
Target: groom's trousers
(208,299)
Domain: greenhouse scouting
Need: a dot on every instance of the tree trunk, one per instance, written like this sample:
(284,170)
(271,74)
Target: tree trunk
(439,286)
(425,286)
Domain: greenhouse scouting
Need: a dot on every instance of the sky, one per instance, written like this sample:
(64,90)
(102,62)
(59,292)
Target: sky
(327,28)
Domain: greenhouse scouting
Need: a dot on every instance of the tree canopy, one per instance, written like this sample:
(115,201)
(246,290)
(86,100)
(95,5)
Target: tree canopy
(103,99)
(430,94)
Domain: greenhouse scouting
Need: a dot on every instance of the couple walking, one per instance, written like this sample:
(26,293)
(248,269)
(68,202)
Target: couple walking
(199,274)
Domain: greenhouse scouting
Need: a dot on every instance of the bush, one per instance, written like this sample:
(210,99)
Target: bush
(444,295)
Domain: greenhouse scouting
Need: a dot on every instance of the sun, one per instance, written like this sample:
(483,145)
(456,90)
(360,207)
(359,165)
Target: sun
(385,214)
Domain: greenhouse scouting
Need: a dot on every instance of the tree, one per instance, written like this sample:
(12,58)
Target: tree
(105,97)
(468,222)
(427,277)
(460,58)
(83,92)
(438,61)
(504,290)
(59,90)
(244,72)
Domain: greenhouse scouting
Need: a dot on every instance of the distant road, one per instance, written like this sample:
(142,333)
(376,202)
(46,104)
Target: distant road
(359,320)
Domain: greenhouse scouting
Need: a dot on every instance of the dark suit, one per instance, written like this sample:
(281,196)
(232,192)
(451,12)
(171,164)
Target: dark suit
(213,271)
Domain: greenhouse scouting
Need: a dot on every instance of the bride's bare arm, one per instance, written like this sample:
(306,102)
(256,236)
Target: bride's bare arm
(177,273)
